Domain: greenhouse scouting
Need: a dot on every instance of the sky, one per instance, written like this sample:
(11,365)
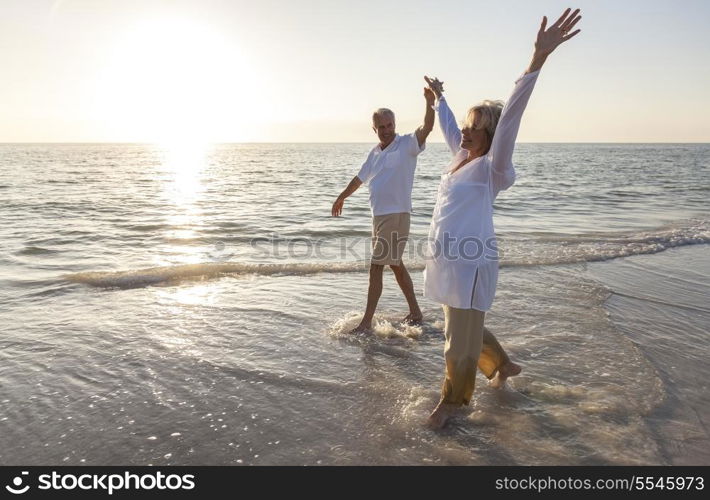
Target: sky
(313,70)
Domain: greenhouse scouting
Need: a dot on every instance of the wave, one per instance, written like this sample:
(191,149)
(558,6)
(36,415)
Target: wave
(662,302)
(34,250)
(150,227)
(602,246)
(171,274)
(514,253)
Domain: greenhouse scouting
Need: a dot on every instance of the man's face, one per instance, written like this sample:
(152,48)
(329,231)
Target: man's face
(384,128)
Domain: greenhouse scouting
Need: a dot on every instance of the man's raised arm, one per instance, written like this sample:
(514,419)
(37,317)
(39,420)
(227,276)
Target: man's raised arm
(425,129)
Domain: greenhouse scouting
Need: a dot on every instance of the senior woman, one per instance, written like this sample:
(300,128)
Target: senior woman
(462,268)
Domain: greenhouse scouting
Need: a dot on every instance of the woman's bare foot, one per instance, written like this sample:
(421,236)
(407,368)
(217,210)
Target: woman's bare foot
(361,328)
(441,414)
(509,369)
(413,319)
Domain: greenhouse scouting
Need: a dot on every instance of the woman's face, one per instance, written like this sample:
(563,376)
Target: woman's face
(472,138)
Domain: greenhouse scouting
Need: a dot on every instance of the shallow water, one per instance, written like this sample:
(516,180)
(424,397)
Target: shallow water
(662,304)
(142,322)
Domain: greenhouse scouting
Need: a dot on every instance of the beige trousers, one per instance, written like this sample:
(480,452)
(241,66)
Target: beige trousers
(468,345)
(389,238)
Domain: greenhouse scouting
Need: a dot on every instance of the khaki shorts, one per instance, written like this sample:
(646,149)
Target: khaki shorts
(389,237)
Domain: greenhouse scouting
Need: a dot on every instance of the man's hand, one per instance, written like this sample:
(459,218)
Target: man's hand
(435,86)
(337,207)
(430,96)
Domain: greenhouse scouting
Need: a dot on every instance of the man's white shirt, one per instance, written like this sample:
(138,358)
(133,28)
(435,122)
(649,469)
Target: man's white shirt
(389,174)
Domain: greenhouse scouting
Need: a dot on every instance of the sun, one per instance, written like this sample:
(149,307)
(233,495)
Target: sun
(175,80)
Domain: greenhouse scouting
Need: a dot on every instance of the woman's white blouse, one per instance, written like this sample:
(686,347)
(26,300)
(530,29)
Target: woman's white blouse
(462,262)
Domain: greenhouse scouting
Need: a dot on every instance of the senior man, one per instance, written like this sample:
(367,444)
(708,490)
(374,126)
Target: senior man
(389,174)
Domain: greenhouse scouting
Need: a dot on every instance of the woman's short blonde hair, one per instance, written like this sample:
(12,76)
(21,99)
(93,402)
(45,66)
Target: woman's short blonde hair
(489,113)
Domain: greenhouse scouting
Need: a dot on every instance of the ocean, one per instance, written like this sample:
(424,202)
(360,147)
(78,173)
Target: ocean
(190,305)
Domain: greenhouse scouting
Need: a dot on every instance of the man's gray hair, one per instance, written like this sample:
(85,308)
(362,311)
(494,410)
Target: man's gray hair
(382,112)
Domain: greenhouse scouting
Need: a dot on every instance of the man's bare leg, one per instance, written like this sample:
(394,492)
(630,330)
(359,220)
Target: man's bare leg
(373,296)
(405,283)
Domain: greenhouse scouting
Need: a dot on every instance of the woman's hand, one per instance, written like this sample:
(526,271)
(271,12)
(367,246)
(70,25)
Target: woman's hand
(435,86)
(551,38)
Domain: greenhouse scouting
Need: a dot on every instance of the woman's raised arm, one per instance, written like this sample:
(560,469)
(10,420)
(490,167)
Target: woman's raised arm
(501,152)
(447,120)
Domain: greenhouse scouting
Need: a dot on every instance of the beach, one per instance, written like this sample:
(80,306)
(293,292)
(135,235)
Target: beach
(162,308)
